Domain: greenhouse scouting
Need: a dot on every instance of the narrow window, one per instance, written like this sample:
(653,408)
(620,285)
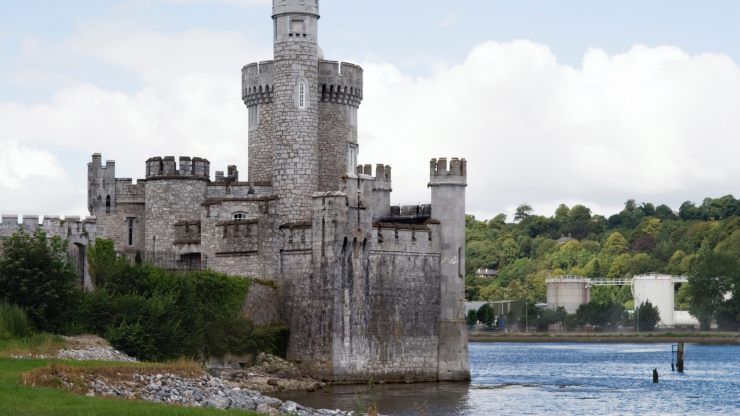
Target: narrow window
(107,204)
(302,94)
(239,216)
(460,269)
(130,231)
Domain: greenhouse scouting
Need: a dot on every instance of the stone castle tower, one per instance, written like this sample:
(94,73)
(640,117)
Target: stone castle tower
(368,290)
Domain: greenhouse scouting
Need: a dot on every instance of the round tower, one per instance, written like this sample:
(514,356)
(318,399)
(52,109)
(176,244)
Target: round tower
(295,107)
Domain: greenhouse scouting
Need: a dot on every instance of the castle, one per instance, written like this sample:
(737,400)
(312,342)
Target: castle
(368,290)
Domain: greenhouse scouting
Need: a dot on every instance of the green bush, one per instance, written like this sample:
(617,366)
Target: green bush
(154,314)
(13,322)
(37,275)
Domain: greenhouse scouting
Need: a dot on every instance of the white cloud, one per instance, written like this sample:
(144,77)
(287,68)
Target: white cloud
(31,179)
(651,123)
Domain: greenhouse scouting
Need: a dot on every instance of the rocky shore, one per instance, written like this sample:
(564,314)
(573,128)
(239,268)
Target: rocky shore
(230,389)
(205,391)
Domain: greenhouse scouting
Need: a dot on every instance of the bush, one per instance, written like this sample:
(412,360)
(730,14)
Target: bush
(647,316)
(13,322)
(486,315)
(37,275)
(472,317)
(154,314)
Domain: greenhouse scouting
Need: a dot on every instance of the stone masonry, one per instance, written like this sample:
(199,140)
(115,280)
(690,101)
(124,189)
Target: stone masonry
(370,291)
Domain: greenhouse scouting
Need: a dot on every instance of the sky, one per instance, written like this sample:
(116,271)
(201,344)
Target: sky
(568,101)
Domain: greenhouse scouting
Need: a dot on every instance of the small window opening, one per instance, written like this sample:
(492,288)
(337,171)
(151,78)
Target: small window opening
(130,231)
(302,94)
(107,204)
(239,216)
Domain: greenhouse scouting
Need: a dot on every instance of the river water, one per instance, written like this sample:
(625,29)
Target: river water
(561,379)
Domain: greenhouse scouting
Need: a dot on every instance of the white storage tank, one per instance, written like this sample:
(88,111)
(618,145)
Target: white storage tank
(569,292)
(658,290)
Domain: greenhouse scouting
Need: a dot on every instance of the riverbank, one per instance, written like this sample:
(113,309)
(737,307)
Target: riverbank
(720,338)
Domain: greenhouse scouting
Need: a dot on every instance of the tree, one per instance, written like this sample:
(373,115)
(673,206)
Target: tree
(472,317)
(615,244)
(523,211)
(708,282)
(36,274)
(647,316)
(486,315)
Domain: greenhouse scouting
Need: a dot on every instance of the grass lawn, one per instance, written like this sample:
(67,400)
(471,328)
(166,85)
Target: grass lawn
(17,399)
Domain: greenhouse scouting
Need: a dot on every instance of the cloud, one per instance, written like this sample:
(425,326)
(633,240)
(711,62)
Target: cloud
(651,123)
(31,178)
(188,103)
(654,124)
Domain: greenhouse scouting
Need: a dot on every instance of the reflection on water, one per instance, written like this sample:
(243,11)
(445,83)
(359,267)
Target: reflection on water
(560,379)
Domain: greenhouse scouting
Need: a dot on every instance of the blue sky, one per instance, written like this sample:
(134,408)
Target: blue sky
(137,57)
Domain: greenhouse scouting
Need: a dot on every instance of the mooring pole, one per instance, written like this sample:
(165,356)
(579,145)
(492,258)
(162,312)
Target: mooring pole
(679,357)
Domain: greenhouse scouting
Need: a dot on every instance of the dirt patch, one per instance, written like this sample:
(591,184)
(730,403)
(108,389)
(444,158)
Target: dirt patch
(269,374)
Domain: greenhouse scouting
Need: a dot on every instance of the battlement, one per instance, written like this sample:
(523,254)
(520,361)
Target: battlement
(382,172)
(129,192)
(97,161)
(280,7)
(257,83)
(441,174)
(340,82)
(458,167)
(71,228)
(232,174)
(167,168)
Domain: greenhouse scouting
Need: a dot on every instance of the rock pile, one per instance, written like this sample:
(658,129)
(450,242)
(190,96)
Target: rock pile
(96,353)
(205,391)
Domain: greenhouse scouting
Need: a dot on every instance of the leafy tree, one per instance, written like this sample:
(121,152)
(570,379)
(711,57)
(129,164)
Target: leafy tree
(647,316)
(708,282)
(102,261)
(486,315)
(36,274)
(615,244)
(523,211)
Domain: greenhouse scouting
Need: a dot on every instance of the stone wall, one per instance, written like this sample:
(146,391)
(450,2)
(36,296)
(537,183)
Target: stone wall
(167,202)
(295,129)
(335,133)
(262,304)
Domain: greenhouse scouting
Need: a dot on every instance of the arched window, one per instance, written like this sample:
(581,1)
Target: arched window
(239,216)
(301,94)
(107,204)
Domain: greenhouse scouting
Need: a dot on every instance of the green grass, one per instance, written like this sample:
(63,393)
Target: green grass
(16,399)
(36,344)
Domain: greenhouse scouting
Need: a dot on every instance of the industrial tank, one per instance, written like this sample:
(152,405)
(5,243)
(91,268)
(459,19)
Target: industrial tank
(658,289)
(569,292)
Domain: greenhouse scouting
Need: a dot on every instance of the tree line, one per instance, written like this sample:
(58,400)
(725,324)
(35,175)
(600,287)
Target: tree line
(700,241)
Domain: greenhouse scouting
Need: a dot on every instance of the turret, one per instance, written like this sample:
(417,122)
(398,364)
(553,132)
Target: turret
(295,107)
(101,186)
(448,207)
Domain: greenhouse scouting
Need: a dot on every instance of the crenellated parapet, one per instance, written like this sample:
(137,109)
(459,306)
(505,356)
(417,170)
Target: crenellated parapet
(257,83)
(71,228)
(128,192)
(340,83)
(382,172)
(167,168)
(454,174)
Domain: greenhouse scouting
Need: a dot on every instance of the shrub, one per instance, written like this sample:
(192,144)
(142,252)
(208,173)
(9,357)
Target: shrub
(13,322)
(37,275)
(647,316)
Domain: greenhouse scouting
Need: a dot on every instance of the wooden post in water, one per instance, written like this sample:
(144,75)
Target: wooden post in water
(679,357)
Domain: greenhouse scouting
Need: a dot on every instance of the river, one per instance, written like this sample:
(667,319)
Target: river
(561,379)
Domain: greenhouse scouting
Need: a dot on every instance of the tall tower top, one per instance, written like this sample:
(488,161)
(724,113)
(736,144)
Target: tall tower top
(306,7)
